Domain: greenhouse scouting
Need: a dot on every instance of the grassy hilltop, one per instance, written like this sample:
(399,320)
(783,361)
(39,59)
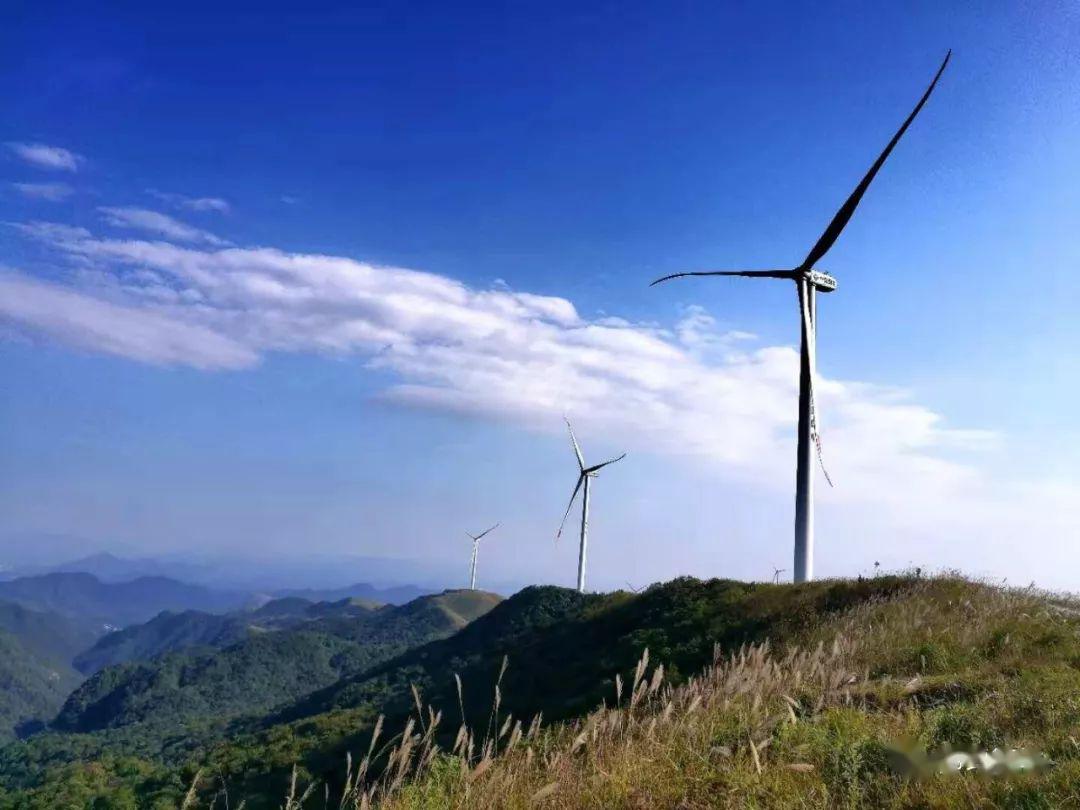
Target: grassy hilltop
(798,705)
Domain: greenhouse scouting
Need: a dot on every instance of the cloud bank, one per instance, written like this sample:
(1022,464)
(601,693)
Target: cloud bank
(689,390)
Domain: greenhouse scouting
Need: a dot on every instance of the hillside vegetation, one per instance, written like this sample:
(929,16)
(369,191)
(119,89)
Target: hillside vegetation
(815,718)
(167,632)
(36,649)
(171,632)
(31,689)
(48,636)
(55,632)
(166,710)
(801,704)
(266,669)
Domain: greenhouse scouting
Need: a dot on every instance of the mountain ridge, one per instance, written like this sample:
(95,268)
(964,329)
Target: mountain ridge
(82,596)
(264,669)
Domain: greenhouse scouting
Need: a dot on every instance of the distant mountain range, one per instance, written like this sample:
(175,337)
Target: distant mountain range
(276,575)
(48,621)
(110,568)
(84,598)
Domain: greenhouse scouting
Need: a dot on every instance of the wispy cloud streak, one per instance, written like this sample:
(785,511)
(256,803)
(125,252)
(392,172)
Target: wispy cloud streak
(46,157)
(199,204)
(158,224)
(52,192)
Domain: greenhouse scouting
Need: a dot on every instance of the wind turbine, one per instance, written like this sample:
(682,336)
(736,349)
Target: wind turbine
(776,574)
(475,549)
(809,281)
(584,474)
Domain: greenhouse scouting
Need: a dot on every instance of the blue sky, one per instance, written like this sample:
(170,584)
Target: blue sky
(220,360)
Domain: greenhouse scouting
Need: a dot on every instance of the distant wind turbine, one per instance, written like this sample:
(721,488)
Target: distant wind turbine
(584,474)
(475,549)
(809,281)
(776,574)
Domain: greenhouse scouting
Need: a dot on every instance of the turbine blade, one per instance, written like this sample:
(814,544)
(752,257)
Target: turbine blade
(817,441)
(570,505)
(577,450)
(811,330)
(609,461)
(840,221)
(744,273)
(493,528)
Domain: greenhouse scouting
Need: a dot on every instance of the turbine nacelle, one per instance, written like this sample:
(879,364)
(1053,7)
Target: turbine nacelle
(476,537)
(822,282)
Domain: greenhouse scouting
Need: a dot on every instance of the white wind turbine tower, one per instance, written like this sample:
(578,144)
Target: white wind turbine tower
(475,549)
(809,281)
(584,474)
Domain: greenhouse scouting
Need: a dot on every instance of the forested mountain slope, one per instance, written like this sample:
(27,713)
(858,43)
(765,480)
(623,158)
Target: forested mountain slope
(170,632)
(36,676)
(167,632)
(31,688)
(49,636)
(265,669)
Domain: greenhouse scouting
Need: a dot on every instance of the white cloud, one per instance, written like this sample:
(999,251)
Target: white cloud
(201,204)
(53,192)
(158,224)
(47,157)
(692,390)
